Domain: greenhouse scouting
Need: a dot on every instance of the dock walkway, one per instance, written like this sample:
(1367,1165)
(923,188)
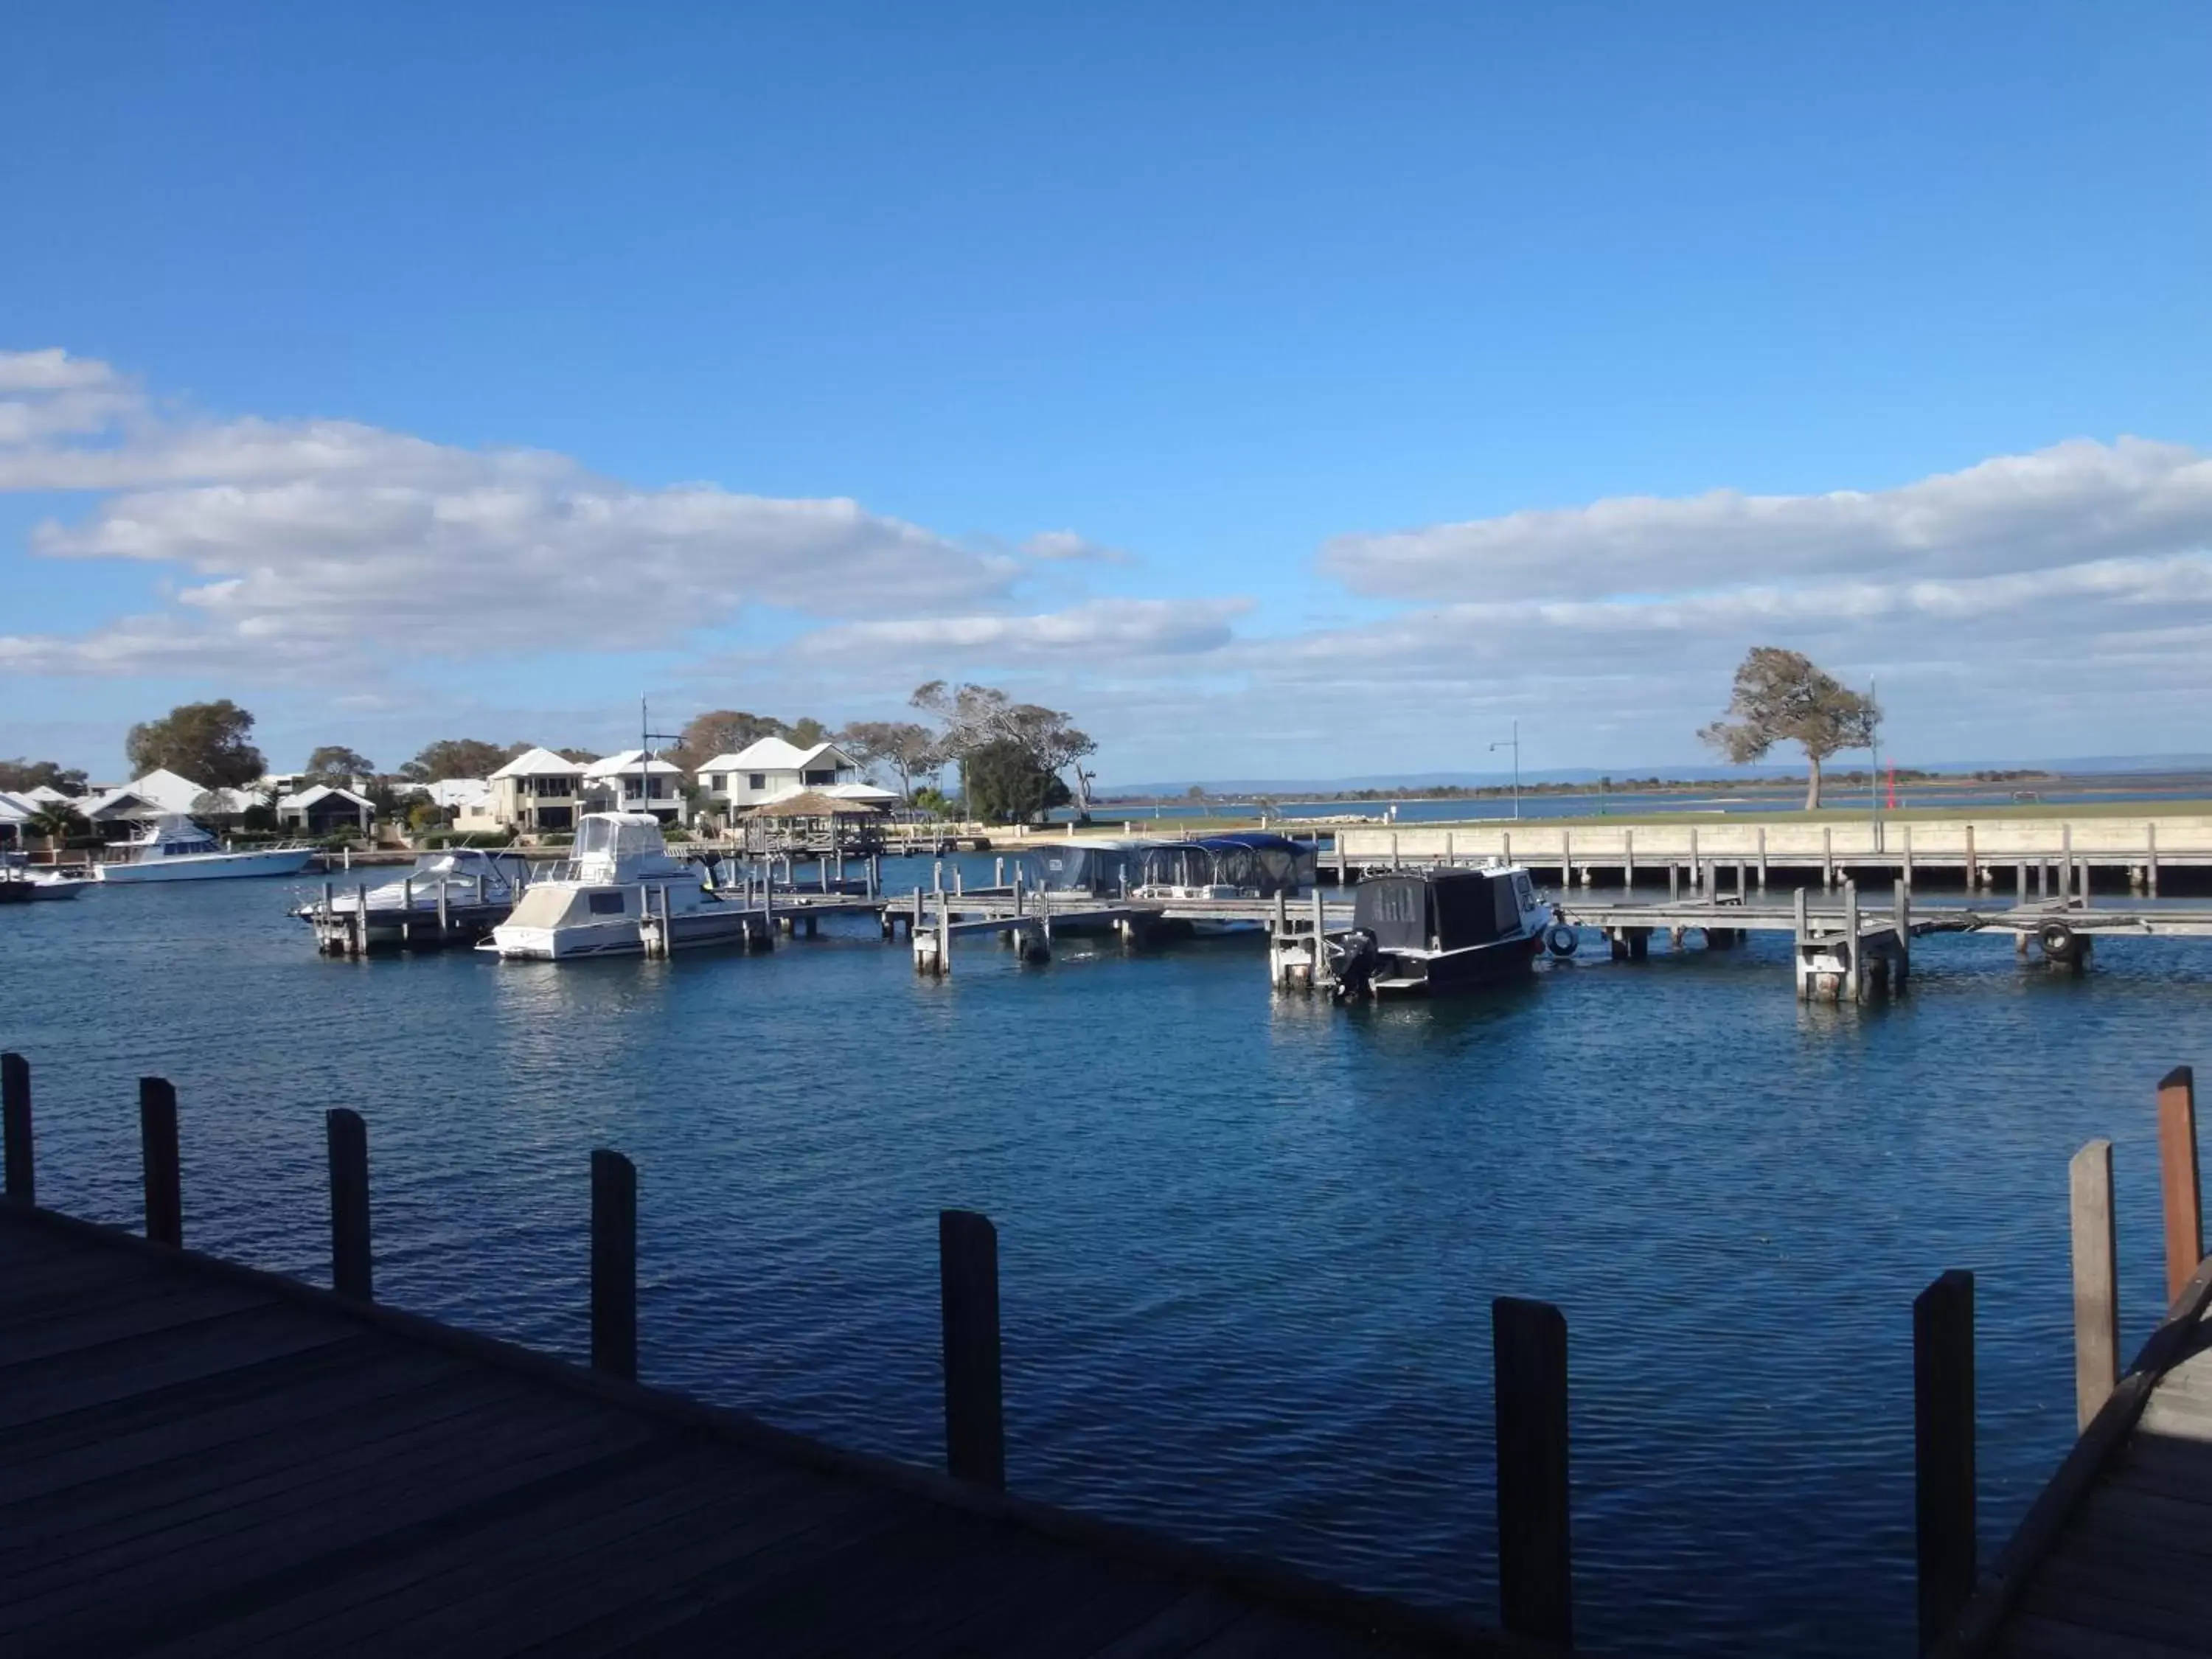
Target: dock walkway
(199,1459)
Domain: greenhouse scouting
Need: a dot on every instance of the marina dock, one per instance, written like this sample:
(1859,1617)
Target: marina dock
(2056,856)
(200,1458)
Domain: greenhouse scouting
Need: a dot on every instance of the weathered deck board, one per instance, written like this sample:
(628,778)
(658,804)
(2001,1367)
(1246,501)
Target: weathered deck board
(2127,1574)
(198,1460)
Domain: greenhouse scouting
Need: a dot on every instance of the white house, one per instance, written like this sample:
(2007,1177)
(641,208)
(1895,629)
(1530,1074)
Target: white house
(457,797)
(537,790)
(160,794)
(773,770)
(323,810)
(632,782)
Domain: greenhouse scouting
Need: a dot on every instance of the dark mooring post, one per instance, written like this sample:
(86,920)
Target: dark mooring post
(974,1422)
(348,1149)
(15,1112)
(1944,1448)
(157,1139)
(614,1264)
(2177,1164)
(1535,1574)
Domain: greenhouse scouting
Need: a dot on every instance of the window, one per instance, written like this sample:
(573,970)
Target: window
(819,775)
(606,904)
(756,780)
(713,780)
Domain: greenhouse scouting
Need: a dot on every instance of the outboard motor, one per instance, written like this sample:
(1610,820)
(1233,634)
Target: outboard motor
(1356,963)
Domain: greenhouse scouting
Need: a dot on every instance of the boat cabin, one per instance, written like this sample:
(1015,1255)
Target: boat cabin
(1435,910)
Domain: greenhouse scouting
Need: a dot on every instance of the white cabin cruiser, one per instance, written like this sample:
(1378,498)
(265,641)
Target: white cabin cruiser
(19,881)
(174,848)
(463,875)
(599,905)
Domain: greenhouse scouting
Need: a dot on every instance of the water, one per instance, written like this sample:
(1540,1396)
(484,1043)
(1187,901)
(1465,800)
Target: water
(1248,1244)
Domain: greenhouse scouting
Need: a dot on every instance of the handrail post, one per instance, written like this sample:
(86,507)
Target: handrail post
(2096,1279)
(1535,1568)
(16,1110)
(974,1421)
(614,1264)
(1943,1449)
(2177,1178)
(157,1140)
(348,1137)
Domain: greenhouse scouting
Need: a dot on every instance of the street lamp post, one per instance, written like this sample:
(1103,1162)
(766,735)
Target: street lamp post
(1514,744)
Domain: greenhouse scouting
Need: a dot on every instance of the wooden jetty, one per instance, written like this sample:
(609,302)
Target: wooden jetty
(2060,856)
(197,1458)
(2111,1560)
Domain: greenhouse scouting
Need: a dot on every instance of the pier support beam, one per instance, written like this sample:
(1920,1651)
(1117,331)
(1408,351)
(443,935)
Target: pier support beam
(614,1264)
(2096,1280)
(348,1140)
(2177,1178)
(157,1139)
(16,1123)
(1943,1449)
(968,1277)
(1535,1564)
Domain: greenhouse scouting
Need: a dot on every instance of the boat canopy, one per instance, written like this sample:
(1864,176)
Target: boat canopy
(1267,864)
(175,834)
(1249,859)
(1441,909)
(621,846)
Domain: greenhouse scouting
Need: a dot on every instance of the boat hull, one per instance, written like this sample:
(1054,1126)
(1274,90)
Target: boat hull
(210,867)
(1446,972)
(687,930)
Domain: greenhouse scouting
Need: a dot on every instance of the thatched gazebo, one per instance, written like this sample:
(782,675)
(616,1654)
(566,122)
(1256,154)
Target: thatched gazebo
(812,819)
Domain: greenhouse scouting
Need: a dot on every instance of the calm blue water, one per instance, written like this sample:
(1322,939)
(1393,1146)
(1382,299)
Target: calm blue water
(1248,1244)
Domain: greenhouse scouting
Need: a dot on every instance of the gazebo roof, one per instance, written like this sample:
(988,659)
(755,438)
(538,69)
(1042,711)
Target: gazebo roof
(813,804)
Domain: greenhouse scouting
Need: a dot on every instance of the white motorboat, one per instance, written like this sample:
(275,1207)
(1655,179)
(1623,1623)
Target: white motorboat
(174,848)
(23,884)
(462,875)
(620,883)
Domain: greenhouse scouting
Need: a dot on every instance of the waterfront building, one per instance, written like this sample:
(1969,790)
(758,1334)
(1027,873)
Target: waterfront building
(456,798)
(773,769)
(536,790)
(324,809)
(633,781)
(162,793)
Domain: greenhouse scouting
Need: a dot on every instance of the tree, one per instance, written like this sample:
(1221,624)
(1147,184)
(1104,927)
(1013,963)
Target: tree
(721,732)
(909,749)
(17,775)
(459,757)
(581,756)
(1782,697)
(57,822)
(206,742)
(976,717)
(1005,785)
(806,732)
(335,763)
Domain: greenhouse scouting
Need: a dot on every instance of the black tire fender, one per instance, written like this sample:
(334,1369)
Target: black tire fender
(1562,940)
(2057,940)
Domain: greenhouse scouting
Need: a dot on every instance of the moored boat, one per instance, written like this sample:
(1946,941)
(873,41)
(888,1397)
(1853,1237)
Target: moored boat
(620,884)
(1425,931)
(175,848)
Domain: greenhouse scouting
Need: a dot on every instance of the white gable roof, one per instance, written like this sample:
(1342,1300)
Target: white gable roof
(539,764)
(459,792)
(628,761)
(308,798)
(44,792)
(163,791)
(774,755)
(867,792)
(13,808)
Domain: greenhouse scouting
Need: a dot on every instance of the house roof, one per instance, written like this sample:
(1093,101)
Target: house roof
(862,792)
(308,798)
(459,792)
(628,761)
(540,763)
(45,794)
(814,803)
(774,755)
(13,808)
(162,792)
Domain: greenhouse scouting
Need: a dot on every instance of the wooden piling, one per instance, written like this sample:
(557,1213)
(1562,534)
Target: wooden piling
(1674,881)
(2177,1180)
(1762,858)
(2150,861)
(1908,855)
(1535,1566)
(968,1278)
(614,1264)
(1628,858)
(1974,867)
(1828,857)
(15,1125)
(1943,1449)
(2096,1279)
(1854,963)
(1566,857)
(1901,900)
(157,1140)
(347,1137)
(407,910)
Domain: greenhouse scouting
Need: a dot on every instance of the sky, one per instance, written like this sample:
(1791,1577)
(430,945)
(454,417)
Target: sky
(1282,390)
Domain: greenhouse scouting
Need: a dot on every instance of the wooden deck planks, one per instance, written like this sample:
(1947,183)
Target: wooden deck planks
(2129,1575)
(195,1462)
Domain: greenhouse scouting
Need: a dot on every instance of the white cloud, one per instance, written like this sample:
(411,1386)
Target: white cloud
(2070,504)
(1064,546)
(338,544)
(1112,630)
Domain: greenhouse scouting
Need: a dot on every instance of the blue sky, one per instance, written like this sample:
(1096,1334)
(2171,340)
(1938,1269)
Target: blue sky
(1282,390)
